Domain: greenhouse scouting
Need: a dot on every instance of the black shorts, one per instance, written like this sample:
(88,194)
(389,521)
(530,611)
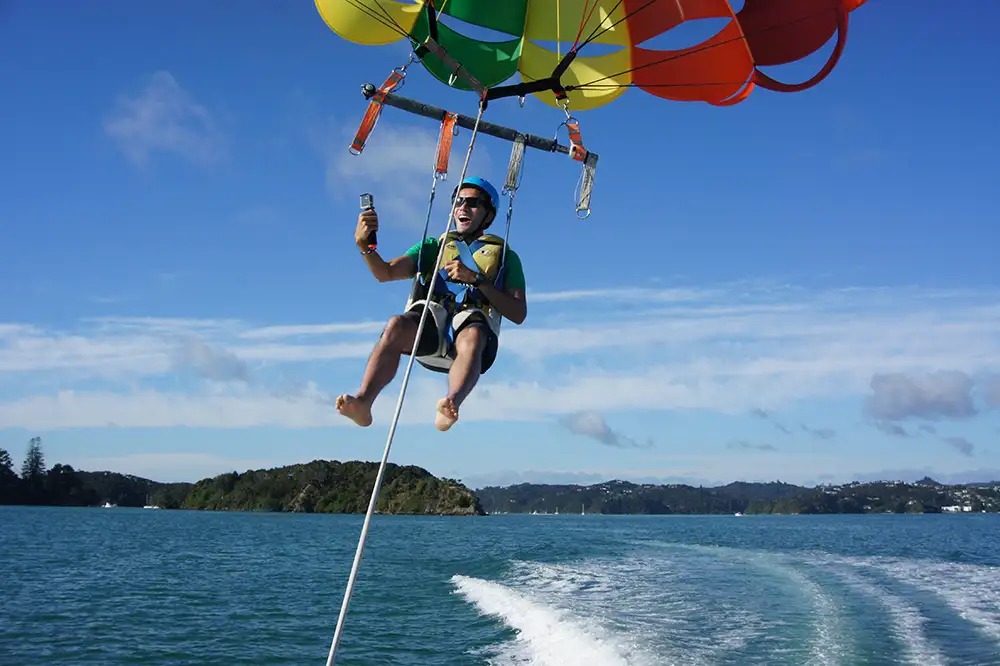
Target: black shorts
(428,343)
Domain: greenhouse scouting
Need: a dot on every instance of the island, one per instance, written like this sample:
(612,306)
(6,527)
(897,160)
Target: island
(323,486)
(320,486)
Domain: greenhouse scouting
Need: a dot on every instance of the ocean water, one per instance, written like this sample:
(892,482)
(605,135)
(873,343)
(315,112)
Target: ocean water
(134,586)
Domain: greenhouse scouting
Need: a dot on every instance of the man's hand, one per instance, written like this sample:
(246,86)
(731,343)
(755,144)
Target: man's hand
(459,272)
(367,223)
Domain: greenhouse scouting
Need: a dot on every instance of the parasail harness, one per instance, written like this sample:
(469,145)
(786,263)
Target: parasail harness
(425,292)
(452,301)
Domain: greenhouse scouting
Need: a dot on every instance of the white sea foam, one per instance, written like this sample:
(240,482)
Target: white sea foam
(829,646)
(972,591)
(547,635)
(687,604)
(907,621)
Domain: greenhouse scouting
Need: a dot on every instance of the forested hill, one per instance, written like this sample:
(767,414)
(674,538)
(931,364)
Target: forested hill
(334,487)
(622,497)
(617,497)
(320,486)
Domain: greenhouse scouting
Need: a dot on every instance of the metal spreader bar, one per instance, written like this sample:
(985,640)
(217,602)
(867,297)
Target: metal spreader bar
(492,129)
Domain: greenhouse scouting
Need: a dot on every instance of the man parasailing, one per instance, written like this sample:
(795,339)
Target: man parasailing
(468,301)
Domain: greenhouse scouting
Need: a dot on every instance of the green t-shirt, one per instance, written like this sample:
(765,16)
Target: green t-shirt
(513,272)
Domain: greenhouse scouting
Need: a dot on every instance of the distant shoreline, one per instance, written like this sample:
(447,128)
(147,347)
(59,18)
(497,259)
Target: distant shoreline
(334,487)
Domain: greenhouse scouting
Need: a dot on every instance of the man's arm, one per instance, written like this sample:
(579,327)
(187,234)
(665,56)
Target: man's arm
(512,303)
(400,268)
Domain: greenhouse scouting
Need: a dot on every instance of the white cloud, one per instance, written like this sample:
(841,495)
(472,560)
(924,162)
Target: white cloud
(216,407)
(164,117)
(212,364)
(729,349)
(397,167)
(116,347)
(272,332)
(590,423)
(107,356)
(641,294)
(941,394)
(992,387)
(12,331)
(155,409)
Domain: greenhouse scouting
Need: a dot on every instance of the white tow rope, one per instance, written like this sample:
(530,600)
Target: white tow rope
(395,418)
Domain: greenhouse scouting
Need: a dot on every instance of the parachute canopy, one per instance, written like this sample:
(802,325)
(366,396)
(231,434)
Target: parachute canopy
(721,71)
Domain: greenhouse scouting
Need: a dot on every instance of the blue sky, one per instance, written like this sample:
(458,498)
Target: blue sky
(802,287)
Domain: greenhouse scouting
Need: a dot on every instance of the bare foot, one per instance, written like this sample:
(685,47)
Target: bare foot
(446,415)
(358,411)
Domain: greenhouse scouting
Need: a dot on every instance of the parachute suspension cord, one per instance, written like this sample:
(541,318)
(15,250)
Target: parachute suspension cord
(395,417)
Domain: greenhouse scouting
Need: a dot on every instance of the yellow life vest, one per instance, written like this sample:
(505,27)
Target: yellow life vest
(486,251)
(484,254)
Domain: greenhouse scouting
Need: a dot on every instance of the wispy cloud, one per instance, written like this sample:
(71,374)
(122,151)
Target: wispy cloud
(940,394)
(742,444)
(303,330)
(761,414)
(992,390)
(961,444)
(592,424)
(164,117)
(890,428)
(820,433)
(210,363)
(397,167)
(899,397)
(727,348)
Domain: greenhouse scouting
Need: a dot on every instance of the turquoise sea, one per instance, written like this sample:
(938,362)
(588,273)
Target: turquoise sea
(135,586)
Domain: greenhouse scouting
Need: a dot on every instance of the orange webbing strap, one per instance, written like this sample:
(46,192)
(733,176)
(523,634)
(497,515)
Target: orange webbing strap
(374,111)
(444,143)
(576,149)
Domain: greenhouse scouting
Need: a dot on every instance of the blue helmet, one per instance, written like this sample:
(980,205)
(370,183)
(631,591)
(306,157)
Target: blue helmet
(485,186)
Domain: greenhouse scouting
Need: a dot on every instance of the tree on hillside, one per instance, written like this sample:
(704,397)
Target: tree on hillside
(63,487)
(6,465)
(8,479)
(33,472)
(33,468)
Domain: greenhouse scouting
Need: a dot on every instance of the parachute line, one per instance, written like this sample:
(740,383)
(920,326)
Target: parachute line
(395,418)
(383,17)
(689,52)
(587,16)
(594,34)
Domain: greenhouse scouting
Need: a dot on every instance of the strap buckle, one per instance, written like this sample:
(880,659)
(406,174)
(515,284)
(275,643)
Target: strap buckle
(577,151)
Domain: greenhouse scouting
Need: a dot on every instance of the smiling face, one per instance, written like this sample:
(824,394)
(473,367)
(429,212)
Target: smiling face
(472,211)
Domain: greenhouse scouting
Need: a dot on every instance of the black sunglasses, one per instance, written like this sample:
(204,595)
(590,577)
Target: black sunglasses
(472,202)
